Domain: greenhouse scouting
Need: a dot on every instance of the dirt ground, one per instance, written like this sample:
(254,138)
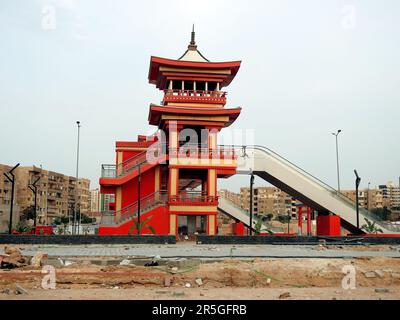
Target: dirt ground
(309,278)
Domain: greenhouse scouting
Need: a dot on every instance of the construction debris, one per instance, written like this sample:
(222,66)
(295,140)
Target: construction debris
(167,282)
(10,250)
(370,274)
(161,291)
(152,263)
(174,270)
(199,282)
(6,291)
(125,262)
(12,258)
(20,290)
(36,260)
(379,273)
(284,295)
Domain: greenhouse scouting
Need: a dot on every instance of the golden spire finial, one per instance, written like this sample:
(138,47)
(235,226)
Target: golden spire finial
(192,45)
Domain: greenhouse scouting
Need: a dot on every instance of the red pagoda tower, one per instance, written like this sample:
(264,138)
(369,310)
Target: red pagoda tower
(175,193)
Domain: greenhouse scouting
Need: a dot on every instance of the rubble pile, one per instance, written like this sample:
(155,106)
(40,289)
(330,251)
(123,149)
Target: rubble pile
(12,258)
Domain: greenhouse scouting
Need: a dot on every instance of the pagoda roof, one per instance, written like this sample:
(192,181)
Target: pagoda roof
(156,112)
(157,62)
(191,59)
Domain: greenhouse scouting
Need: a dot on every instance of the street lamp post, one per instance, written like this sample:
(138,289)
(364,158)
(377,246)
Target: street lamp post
(368,197)
(76,181)
(10,177)
(33,188)
(251,202)
(358,179)
(337,157)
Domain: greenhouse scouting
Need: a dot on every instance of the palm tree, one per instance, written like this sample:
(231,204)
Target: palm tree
(139,226)
(370,227)
(258,228)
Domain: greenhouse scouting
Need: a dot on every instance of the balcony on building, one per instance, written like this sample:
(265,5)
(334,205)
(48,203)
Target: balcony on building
(193,198)
(201,92)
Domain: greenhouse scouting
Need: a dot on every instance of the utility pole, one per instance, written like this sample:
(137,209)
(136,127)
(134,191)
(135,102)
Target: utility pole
(10,177)
(251,202)
(33,188)
(358,179)
(76,182)
(337,157)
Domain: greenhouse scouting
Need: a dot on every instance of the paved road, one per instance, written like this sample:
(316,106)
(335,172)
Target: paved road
(206,251)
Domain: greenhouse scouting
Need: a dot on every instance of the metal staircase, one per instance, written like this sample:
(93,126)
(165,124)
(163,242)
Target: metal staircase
(303,186)
(130,212)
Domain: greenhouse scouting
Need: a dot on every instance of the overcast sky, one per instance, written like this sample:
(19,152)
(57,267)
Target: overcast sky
(309,68)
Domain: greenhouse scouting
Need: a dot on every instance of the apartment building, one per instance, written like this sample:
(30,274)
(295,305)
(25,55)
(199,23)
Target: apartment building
(5,201)
(265,200)
(391,195)
(368,198)
(56,193)
(94,200)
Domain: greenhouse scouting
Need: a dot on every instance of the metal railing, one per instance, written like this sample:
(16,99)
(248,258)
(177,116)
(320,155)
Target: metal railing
(194,197)
(129,165)
(186,151)
(333,191)
(131,211)
(194,151)
(195,93)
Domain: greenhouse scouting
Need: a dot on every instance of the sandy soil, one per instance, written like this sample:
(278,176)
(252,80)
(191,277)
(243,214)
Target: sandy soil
(229,279)
(143,293)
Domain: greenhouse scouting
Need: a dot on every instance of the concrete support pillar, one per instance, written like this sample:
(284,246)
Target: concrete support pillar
(212,222)
(172,224)
(118,202)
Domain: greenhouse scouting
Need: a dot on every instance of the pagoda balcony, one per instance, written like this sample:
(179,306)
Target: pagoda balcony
(194,96)
(195,152)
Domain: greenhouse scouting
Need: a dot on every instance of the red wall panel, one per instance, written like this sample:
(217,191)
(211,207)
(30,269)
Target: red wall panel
(328,226)
(129,189)
(159,221)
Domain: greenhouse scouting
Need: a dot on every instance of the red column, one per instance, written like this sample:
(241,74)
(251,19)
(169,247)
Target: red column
(300,222)
(309,221)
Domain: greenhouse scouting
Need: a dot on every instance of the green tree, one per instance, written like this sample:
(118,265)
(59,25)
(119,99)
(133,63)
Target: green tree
(370,227)
(383,213)
(86,219)
(28,213)
(258,228)
(60,230)
(140,226)
(23,226)
(269,216)
(283,218)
